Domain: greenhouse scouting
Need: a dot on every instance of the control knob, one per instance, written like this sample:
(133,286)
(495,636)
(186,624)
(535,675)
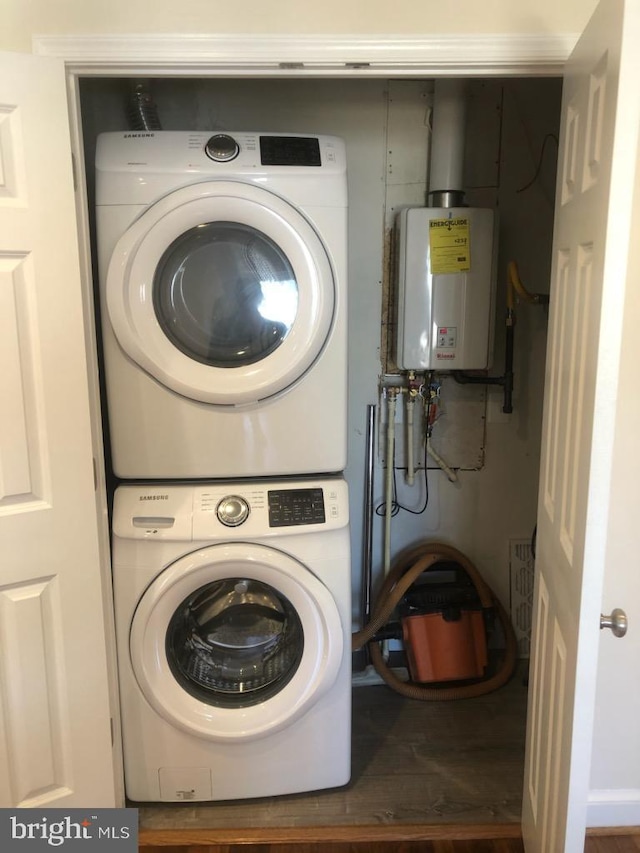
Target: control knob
(232,511)
(222,148)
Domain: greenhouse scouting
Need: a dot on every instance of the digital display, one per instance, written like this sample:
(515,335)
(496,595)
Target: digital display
(289,151)
(290,507)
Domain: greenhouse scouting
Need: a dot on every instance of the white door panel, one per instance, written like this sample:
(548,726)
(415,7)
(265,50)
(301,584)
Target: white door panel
(615,773)
(55,741)
(598,143)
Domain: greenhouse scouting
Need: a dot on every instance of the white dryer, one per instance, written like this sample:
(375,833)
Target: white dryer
(232,608)
(222,266)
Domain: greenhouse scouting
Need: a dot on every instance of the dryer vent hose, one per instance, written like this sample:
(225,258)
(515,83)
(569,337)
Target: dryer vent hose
(404,572)
(142,113)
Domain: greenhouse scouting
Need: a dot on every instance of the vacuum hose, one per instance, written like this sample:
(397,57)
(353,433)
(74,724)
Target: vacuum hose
(405,571)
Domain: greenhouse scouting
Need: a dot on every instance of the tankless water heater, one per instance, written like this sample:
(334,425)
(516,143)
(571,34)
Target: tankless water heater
(446,288)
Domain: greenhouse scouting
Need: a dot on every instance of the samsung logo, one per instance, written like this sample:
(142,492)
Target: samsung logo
(153,498)
(137,135)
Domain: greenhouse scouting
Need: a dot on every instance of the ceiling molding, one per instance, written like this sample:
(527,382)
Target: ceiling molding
(312,55)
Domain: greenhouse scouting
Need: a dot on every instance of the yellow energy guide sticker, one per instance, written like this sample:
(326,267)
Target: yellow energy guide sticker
(449,245)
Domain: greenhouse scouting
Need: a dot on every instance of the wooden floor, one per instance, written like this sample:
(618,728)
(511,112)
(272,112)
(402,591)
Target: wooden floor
(412,763)
(437,777)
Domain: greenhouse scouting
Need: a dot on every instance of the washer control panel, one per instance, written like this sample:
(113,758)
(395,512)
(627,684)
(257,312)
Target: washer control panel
(227,511)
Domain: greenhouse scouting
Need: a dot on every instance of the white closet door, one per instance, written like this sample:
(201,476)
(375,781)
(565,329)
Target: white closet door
(594,207)
(55,740)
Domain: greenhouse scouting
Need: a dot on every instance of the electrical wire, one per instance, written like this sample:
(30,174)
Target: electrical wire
(396,506)
(539,165)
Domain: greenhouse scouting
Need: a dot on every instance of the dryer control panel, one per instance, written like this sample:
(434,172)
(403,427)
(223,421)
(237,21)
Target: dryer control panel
(274,150)
(122,159)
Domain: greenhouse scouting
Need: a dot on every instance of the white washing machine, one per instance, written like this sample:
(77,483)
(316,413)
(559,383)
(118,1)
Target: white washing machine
(232,607)
(222,265)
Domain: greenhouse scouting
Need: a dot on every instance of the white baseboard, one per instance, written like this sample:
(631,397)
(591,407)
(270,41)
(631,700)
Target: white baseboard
(614,807)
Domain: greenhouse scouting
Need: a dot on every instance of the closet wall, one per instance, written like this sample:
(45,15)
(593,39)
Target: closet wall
(21,20)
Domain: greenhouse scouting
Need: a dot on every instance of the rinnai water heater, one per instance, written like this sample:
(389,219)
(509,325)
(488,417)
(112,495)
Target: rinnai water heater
(446,288)
(446,275)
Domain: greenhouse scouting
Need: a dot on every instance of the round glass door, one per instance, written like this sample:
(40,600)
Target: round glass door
(223,292)
(234,642)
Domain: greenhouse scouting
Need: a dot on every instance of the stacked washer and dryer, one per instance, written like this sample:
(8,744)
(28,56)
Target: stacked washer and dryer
(222,264)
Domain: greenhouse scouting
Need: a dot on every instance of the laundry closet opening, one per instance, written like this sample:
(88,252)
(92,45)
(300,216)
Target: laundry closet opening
(489,512)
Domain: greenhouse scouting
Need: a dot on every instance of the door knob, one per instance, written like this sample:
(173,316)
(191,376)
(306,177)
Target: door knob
(617,622)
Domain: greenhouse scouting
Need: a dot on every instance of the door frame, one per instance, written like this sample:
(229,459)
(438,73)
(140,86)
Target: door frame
(446,55)
(268,56)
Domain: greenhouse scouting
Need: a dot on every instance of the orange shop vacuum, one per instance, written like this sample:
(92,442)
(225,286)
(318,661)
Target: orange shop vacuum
(443,626)
(435,600)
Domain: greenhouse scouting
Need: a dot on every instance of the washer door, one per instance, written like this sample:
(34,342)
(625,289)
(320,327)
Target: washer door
(222,291)
(235,641)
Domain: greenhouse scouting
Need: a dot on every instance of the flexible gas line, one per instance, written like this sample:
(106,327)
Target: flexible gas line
(514,283)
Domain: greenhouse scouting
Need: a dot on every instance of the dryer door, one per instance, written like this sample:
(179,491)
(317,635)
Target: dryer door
(223,292)
(235,641)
